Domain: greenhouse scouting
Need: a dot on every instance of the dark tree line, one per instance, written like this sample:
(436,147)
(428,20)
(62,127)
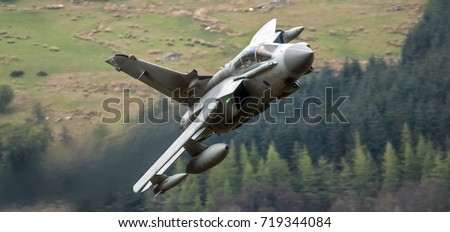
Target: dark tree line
(414,178)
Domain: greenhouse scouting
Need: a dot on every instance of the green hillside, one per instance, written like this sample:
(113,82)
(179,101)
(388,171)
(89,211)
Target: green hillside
(207,35)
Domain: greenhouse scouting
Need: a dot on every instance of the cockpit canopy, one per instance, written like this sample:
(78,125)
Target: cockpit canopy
(252,55)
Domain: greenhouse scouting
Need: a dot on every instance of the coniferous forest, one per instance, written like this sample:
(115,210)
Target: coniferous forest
(392,155)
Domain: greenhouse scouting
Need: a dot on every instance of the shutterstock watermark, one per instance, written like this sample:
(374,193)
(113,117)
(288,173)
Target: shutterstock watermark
(289,110)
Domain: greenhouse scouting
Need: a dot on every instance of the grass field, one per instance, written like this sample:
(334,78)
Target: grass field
(149,29)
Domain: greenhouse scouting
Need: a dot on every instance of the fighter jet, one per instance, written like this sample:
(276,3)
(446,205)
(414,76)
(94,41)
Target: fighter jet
(268,68)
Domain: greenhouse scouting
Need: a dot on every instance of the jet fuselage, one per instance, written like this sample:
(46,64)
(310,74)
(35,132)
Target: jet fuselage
(268,71)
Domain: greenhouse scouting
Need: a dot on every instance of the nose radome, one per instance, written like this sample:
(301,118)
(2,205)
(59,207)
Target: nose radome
(298,58)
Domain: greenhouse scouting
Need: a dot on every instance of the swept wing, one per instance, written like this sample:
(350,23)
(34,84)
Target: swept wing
(167,81)
(174,151)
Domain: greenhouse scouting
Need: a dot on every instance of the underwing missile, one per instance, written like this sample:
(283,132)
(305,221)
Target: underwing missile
(169,183)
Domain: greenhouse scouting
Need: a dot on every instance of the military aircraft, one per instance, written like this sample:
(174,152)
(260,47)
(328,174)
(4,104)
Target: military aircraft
(268,68)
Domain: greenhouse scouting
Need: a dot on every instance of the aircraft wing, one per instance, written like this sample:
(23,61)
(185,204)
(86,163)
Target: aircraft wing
(169,82)
(175,150)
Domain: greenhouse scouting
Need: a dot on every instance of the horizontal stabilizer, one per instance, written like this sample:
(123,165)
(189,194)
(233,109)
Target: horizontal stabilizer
(266,33)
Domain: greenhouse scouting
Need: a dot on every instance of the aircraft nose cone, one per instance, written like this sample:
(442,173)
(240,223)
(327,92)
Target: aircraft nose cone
(298,58)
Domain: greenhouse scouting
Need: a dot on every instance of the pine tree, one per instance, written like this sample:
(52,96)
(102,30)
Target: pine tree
(189,197)
(355,67)
(231,167)
(247,169)
(326,178)
(277,168)
(307,179)
(391,169)
(441,173)
(243,156)
(425,152)
(227,189)
(441,170)
(297,149)
(411,164)
(248,174)
(406,137)
(345,176)
(363,168)
(262,175)
(253,154)
(210,204)
(376,131)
